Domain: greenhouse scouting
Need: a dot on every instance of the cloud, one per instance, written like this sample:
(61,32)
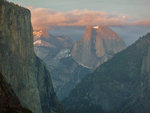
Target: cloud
(142,23)
(43,18)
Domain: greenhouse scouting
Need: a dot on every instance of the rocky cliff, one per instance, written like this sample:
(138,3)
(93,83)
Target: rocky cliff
(26,73)
(9,102)
(121,85)
(98,44)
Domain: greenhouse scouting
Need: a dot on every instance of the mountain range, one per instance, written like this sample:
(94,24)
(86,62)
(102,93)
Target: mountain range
(70,61)
(121,85)
(47,46)
(55,51)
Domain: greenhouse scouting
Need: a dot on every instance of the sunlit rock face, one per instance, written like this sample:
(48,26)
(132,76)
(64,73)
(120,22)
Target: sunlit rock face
(25,72)
(40,33)
(98,44)
(120,85)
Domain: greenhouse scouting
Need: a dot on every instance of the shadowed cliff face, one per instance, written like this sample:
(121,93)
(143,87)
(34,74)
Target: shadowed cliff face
(9,103)
(121,85)
(66,74)
(97,46)
(26,73)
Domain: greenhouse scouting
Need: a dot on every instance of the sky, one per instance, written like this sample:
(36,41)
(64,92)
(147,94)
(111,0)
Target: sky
(83,12)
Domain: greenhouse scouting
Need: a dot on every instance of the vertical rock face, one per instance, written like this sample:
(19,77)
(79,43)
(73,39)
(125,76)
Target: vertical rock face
(9,103)
(26,73)
(97,46)
(121,85)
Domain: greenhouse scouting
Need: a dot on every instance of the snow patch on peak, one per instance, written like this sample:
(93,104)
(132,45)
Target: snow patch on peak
(96,27)
(43,43)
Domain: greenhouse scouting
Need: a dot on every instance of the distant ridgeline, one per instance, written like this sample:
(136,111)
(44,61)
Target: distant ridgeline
(25,72)
(121,85)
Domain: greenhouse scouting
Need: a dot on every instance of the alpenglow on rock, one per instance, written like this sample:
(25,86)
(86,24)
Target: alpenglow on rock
(25,72)
(98,44)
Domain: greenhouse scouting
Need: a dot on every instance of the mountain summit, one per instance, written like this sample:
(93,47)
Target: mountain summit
(40,33)
(100,32)
(98,44)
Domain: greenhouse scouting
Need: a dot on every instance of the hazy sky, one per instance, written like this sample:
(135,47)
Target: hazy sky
(136,9)
(49,13)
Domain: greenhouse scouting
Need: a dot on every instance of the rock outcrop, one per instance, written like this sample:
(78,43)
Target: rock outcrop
(121,85)
(26,73)
(98,44)
(9,102)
